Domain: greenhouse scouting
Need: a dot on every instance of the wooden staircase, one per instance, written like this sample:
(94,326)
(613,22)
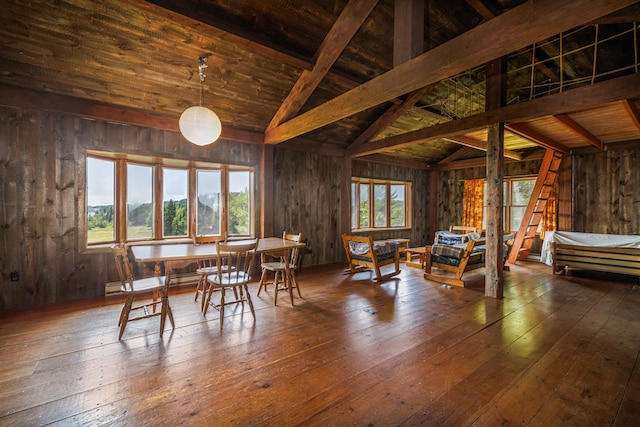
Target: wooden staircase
(535,209)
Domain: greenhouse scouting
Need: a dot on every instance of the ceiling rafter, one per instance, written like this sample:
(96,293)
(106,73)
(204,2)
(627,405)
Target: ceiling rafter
(480,145)
(527,24)
(456,155)
(350,20)
(523,130)
(483,10)
(579,130)
(633,112)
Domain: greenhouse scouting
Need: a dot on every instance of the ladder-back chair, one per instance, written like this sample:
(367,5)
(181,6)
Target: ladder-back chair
(283,270)
(134,288)
(239,256)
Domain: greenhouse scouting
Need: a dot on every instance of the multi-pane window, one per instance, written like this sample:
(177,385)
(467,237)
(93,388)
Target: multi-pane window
(517,192)
(129,200)
(379,204)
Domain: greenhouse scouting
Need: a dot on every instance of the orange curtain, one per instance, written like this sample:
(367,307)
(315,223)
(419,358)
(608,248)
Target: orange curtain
(550,216)
(472,202)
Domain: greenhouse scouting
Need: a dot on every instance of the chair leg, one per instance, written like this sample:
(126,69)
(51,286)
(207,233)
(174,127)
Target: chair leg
(295,282)
(221,306)
(263,283)
(124,317)
(208,300)
(253,313)
(289,284)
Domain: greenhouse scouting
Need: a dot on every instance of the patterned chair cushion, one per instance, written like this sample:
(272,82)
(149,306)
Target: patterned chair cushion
(384,250)
(449,238)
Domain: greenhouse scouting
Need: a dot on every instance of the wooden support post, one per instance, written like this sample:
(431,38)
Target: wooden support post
(408,30)
(496,98)
(494,234)
(345,197)
(266,191)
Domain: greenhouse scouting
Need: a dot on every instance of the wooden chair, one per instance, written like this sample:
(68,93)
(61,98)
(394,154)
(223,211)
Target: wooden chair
(283,269)
(240,255)
(205,267)
(133,288)
(463,229)
(456,260)
(363,253)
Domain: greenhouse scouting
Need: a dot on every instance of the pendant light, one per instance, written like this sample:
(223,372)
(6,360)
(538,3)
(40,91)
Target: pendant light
(200,125)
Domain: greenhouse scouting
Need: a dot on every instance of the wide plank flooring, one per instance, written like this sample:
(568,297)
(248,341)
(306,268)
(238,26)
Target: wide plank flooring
(557,350)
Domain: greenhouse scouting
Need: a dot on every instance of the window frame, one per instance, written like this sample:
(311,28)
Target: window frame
(358,183)
(158,165)
(507,202)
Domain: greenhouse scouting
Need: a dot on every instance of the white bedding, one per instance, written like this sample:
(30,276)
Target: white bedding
(586,239)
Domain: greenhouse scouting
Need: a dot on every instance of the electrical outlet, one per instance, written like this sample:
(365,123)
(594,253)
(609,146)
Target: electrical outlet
(15,276)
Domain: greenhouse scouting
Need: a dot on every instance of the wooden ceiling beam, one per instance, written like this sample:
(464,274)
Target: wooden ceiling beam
(521,129)
(482,9)
(582,98)
(11,96)
(579,130)
(395,161)
(346,26)
(633,112)
(480,145)
(525,24)
(408,30)
(390,116)
(456,155)
(482,162)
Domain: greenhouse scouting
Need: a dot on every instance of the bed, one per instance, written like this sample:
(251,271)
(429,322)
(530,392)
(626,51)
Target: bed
(611,253)
(363,253)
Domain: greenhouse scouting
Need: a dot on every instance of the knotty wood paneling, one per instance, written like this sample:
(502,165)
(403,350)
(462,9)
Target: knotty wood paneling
(606,195)
(306,199)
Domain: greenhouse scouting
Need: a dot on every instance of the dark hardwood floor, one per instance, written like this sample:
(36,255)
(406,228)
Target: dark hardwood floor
(557,350)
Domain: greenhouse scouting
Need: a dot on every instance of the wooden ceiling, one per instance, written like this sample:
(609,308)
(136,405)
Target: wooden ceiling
(394,81)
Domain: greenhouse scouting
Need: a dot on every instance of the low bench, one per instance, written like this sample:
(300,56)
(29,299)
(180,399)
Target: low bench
(597,258)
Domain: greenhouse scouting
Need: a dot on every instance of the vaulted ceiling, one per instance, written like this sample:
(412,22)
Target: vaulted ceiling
(399,81)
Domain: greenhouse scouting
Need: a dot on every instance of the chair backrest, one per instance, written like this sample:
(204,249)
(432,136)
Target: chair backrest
(122,265)
(199,240)
(240,256)
(462,229)
(293,260)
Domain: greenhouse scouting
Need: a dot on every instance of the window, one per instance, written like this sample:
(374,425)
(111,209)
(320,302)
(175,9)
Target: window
(100,200)
(139,202)
(517,192)
(379,204)
(131,200)
(209,220)
(175,209)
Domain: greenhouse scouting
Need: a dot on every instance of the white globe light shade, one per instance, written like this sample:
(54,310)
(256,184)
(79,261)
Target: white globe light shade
(200,126)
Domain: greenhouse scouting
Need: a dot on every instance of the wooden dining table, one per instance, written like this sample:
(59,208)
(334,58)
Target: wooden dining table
(177,255)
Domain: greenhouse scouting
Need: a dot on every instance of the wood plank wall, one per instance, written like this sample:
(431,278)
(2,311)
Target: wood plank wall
(607,192)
